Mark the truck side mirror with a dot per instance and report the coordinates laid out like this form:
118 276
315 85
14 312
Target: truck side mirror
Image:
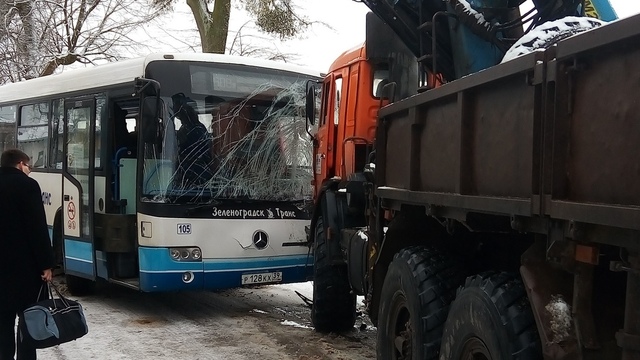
149 120
310 108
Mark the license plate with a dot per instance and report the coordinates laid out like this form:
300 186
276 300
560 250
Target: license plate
262 278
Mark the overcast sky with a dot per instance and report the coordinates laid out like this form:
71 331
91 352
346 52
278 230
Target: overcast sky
319 46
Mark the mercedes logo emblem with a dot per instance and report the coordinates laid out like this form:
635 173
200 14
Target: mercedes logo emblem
260 239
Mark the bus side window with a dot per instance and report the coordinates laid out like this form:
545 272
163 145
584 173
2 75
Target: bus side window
7 127
101 111
33 132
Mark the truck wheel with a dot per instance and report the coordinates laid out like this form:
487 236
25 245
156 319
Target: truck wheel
550 33
419 286
78 286
334 305
491 319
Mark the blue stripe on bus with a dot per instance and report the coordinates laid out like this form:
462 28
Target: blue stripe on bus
79 266
78 256
158 259
262 263
158 272
172 281
78 250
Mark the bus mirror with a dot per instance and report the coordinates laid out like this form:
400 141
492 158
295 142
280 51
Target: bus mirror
310 107
148 87
150 120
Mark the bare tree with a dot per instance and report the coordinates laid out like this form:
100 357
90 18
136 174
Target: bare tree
39 36
244 44
275 17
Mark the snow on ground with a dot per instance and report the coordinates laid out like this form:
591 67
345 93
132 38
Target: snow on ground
265 322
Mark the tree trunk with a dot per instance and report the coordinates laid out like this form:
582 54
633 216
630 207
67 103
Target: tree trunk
26 39
212 26
52 65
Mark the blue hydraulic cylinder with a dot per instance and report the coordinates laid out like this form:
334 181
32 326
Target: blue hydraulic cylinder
600 9
472 53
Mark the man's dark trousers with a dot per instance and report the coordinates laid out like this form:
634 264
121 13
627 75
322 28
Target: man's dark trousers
7 325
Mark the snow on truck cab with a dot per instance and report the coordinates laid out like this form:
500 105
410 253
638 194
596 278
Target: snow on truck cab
486 206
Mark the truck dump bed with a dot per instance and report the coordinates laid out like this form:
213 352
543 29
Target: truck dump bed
552 134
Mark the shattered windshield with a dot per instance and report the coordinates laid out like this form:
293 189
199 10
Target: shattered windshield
228 133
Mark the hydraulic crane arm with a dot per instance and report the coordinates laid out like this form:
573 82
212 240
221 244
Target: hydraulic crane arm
489 28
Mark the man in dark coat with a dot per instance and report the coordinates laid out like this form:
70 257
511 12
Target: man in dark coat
194 144
27 254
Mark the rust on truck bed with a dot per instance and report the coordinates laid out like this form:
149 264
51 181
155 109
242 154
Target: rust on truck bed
551 133
466 140
592 162
549 142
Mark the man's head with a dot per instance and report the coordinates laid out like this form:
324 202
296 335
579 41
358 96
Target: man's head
184 108
17 159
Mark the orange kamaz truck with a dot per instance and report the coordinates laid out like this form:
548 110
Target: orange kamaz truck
477 180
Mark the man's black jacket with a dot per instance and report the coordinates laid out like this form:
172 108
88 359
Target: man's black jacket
25 247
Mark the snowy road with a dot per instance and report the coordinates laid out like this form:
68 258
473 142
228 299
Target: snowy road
267 322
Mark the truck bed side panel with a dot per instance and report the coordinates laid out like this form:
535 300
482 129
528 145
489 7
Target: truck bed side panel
596 127
471 138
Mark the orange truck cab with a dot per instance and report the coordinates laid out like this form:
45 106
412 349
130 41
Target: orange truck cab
350 102
359 82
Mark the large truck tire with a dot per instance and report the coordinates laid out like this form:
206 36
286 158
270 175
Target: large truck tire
491 319
416 295
334 304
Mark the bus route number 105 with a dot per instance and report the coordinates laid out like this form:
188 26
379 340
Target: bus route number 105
184 229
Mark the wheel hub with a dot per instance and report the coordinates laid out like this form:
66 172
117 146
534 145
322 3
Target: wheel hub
402 331
475 349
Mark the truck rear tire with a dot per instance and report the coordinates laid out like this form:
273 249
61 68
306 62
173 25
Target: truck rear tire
491 319
417 291
334 304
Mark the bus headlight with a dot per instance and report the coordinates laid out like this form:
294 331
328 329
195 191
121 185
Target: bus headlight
185 254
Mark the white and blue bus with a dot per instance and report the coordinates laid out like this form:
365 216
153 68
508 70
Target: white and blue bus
172 171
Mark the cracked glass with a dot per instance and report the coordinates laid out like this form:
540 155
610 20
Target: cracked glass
228 132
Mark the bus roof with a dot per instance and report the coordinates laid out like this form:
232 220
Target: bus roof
124 71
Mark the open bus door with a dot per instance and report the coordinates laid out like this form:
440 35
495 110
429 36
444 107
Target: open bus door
78 187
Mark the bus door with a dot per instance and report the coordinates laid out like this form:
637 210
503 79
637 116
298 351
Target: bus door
78 187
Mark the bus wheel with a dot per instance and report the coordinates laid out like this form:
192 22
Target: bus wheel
419 286
334 305
491 319
78 286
